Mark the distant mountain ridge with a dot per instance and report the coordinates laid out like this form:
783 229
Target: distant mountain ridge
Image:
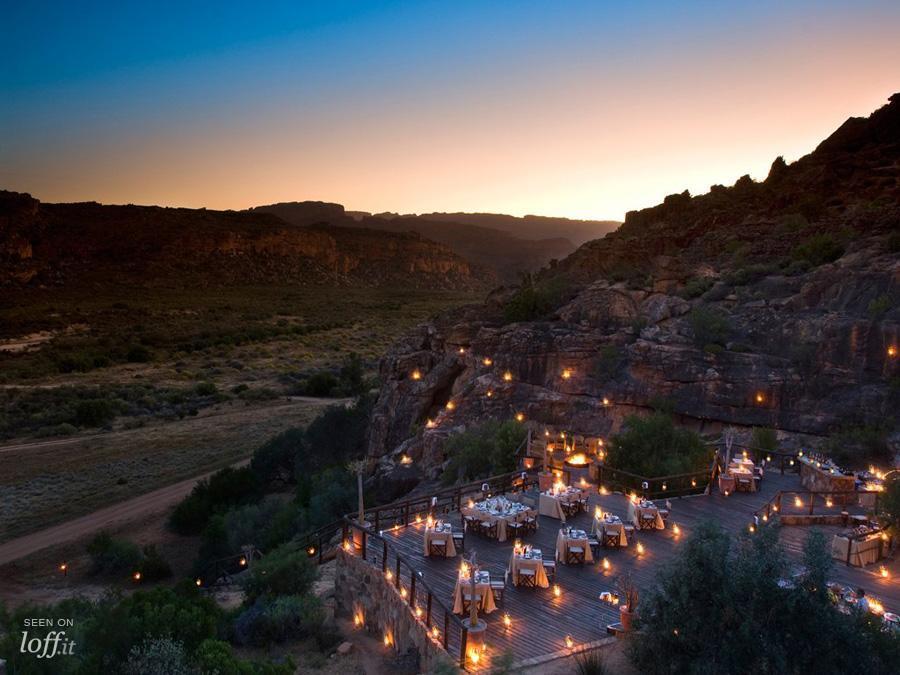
91 243
506 245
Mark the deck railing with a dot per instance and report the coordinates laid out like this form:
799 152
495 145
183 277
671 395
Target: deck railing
425 606
785 502
658 487
321 542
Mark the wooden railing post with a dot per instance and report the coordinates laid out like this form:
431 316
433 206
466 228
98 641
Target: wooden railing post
812 499
462 647
412 588
363 543
384 558
397 576
428 611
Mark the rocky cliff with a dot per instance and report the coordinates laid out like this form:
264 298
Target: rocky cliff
517 245
58 244
768 303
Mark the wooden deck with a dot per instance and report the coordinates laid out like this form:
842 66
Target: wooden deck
541 622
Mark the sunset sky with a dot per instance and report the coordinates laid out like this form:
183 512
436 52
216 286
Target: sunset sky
580 109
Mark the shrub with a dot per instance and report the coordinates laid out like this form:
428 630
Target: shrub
880 306
154 567
750 274
697 287
690 618
277 620
206 389
274 460
535 299
654 446
110 556
709 326
139 354
764 438
818 249
217 657
157 656
117 625
321 384
609 362
482 451
590 663
94 413
859 446
285 571
225 488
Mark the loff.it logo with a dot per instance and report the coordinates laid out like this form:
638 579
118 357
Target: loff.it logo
47 645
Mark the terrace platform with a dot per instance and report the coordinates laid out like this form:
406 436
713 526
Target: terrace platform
541 622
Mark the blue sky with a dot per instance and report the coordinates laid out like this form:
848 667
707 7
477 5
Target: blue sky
570 108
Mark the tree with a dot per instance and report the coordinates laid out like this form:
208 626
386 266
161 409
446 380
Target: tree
718 607
358 467
285 571
654 446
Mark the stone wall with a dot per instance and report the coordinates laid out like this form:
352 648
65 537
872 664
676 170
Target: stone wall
360 587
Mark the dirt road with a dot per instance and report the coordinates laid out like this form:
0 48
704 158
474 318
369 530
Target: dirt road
117 514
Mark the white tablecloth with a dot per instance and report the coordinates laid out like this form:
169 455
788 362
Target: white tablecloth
635 511
439 535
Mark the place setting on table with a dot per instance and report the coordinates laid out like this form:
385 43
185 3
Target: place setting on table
560 500
438 539
526 567
464 593
609 529
496 516
645 515
573 546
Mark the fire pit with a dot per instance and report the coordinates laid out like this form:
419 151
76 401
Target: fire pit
577 460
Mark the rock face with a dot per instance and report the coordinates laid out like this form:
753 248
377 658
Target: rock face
92 243
734 308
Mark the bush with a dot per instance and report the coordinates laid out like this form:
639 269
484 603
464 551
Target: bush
217 657
274 460
139 354
279 619
285 571
321 384
157 656
691 617
482 451
112 556
154 567
696 287
535 299
709 326
654 446
764 438
119 624
225 488
94 413
880 306
860 446
206 389
818 249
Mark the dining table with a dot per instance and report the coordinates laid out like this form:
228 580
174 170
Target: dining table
550 503
610 524
498 510
532 559
440 532
572 537
482 588
858 547
637 509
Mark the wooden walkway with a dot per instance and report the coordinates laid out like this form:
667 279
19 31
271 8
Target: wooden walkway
542 622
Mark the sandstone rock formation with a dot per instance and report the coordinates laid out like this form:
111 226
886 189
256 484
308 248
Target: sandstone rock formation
765 304
91 243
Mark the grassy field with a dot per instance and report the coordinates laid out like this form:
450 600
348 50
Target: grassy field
140 388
